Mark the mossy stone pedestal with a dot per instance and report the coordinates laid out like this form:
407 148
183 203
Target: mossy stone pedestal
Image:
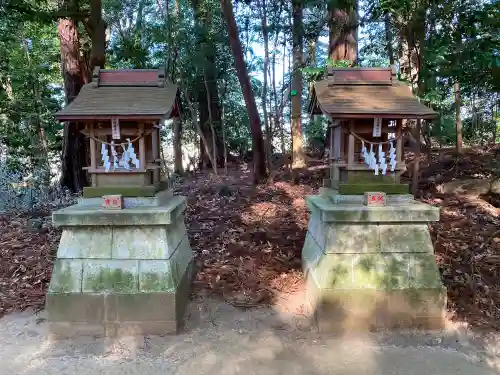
121 272
371 268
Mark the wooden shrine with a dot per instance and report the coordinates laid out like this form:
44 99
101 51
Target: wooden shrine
366 108
368 257
124 265
121 113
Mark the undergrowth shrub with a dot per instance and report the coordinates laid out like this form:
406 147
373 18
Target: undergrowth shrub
32 192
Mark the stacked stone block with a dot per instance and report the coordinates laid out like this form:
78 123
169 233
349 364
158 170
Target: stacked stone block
371 268
121 272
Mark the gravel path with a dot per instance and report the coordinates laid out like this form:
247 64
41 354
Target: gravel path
223 340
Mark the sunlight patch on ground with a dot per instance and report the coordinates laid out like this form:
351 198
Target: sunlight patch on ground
264 210
33 356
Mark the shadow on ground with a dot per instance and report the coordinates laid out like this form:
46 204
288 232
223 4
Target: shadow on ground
221 339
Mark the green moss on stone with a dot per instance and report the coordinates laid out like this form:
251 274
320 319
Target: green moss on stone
381 271
424 272
155 282
64 280
115 280
334 271
367 177
395 274
404 238
365 271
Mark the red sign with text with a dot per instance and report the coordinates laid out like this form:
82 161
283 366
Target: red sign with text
375 199
112 202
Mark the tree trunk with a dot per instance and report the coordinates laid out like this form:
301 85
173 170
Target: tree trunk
246 87
203 140
177 142
204 120
409 61
458 118
388 38
208 95
74 156
280 116
272 78
172 58
212 127
343 33
97 35
298 156
267 127
210 123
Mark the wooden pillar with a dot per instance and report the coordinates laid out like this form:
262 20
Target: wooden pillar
155 136
416 163
177 143
342 137
399 142
350 149
93 152
332 153
337 143
142 147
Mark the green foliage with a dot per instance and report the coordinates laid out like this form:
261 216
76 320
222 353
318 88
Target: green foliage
29 94
314 73
315 133
445 42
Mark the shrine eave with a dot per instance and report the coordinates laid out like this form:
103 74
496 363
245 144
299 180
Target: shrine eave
385 115
109 117
356 101
138 102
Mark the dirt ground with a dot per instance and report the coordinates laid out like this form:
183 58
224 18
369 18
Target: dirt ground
224 340
248 240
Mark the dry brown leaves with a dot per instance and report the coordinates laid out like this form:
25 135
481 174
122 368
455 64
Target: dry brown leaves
25 264
248 241
467 242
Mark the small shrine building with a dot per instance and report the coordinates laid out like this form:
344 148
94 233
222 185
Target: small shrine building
366 108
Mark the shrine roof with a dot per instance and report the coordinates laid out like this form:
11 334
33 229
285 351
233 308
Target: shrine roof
364 93
134 94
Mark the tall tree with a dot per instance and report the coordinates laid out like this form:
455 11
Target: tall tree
267 125
298 155
343 30
75 76
208 93
97 31
388 37
458 116
176 123
259 167
76 73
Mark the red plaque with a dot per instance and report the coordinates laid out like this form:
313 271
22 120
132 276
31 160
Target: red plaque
113 202
374 199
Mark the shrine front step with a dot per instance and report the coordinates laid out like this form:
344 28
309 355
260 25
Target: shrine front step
127 189
160 198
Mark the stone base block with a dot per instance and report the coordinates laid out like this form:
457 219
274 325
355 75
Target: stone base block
370 268
131 274
85 314
65 330
358 310
160 198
